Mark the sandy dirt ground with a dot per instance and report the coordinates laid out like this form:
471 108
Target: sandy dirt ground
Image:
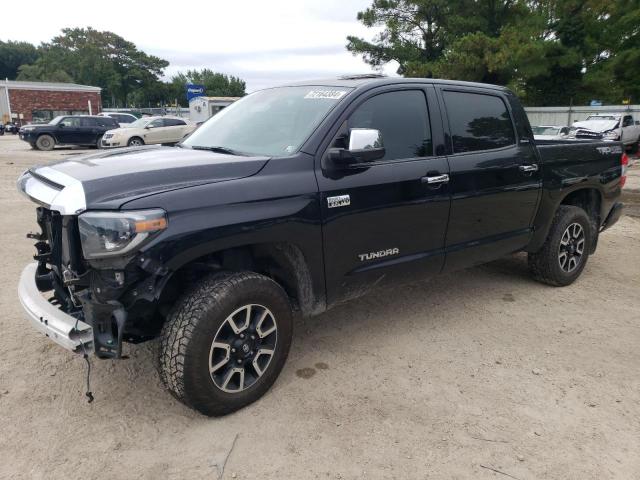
469 375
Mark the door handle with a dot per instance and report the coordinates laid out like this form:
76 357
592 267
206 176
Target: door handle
435 179
529 168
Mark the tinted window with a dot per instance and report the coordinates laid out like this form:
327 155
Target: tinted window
478 122
107 122
403 121
88 122
156 123
172 122
628 120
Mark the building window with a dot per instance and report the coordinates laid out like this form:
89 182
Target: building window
45 116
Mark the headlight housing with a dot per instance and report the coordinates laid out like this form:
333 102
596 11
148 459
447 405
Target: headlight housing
105 234
611 135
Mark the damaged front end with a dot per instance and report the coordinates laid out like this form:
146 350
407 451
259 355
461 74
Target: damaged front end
91 288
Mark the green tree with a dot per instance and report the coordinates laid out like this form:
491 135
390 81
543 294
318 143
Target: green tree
215 84
548 51
98 58
13 55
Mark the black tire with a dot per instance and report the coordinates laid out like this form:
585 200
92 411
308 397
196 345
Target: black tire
135 142
186 351
99 142
45 142
546 265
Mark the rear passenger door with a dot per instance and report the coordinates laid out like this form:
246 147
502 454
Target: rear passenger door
175 129
495 178
89 131
383 222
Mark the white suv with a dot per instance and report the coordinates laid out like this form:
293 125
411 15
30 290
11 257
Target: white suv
123 119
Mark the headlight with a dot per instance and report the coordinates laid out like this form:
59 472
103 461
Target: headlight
105 234
611 135
27 129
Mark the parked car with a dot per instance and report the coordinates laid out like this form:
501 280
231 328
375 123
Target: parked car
123 119
296 199
616 126
83 130
149 131
1 128
550 132
12 127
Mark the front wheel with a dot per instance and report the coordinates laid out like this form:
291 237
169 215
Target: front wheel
45 142
564 254
225 342
135 142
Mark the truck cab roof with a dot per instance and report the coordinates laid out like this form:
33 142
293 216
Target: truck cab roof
375 80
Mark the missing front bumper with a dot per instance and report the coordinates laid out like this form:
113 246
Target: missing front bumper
59 326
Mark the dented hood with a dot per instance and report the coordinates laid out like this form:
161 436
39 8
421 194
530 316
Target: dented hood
106 180
599 126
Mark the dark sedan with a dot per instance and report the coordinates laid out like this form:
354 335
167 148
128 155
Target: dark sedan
85 130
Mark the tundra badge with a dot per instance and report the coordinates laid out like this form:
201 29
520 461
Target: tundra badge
339 201
379 254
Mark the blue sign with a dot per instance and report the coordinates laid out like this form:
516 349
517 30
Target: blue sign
194 91
596 103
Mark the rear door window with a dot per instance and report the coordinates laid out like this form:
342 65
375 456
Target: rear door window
402 119
478 121
88 122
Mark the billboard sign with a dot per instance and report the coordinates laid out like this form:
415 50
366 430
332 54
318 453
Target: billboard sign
194 91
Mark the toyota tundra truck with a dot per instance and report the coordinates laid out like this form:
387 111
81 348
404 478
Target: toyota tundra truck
291 201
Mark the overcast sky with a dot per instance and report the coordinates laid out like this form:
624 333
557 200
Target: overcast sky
264 42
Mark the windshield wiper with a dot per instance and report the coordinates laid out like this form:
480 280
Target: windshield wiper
218 150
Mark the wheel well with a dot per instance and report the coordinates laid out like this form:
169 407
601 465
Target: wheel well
281 261
589 200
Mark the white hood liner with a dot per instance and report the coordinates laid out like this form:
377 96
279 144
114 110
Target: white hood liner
53 189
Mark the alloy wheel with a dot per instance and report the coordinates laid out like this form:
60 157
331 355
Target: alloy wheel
242 348
571 249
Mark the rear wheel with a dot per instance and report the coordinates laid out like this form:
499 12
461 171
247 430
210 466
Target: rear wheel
99 142
564 254
135 142
45 142
225 342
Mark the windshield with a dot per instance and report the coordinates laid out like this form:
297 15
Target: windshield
56 120
270 122
140 123
545 130
601 117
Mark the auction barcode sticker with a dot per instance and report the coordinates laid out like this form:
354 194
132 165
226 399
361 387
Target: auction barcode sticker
330 94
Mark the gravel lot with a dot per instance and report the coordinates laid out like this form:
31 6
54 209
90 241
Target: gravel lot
466 376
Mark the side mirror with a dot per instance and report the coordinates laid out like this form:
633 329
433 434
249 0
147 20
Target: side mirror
365 145
61 125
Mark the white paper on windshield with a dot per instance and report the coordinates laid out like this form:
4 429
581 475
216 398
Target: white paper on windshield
330 94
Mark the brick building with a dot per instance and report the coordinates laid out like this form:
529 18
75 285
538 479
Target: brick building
26 102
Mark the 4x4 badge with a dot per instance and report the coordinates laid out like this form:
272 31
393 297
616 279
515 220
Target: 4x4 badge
339 201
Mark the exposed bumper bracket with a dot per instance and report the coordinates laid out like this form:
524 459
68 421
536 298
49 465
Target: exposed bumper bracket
60 327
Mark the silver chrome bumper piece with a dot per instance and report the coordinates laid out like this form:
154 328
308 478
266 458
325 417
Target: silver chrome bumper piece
50 320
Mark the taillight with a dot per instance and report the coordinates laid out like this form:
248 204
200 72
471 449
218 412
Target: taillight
624 161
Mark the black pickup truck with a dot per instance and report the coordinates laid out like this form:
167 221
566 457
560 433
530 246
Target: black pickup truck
293 200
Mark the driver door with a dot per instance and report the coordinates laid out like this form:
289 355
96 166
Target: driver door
383 221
